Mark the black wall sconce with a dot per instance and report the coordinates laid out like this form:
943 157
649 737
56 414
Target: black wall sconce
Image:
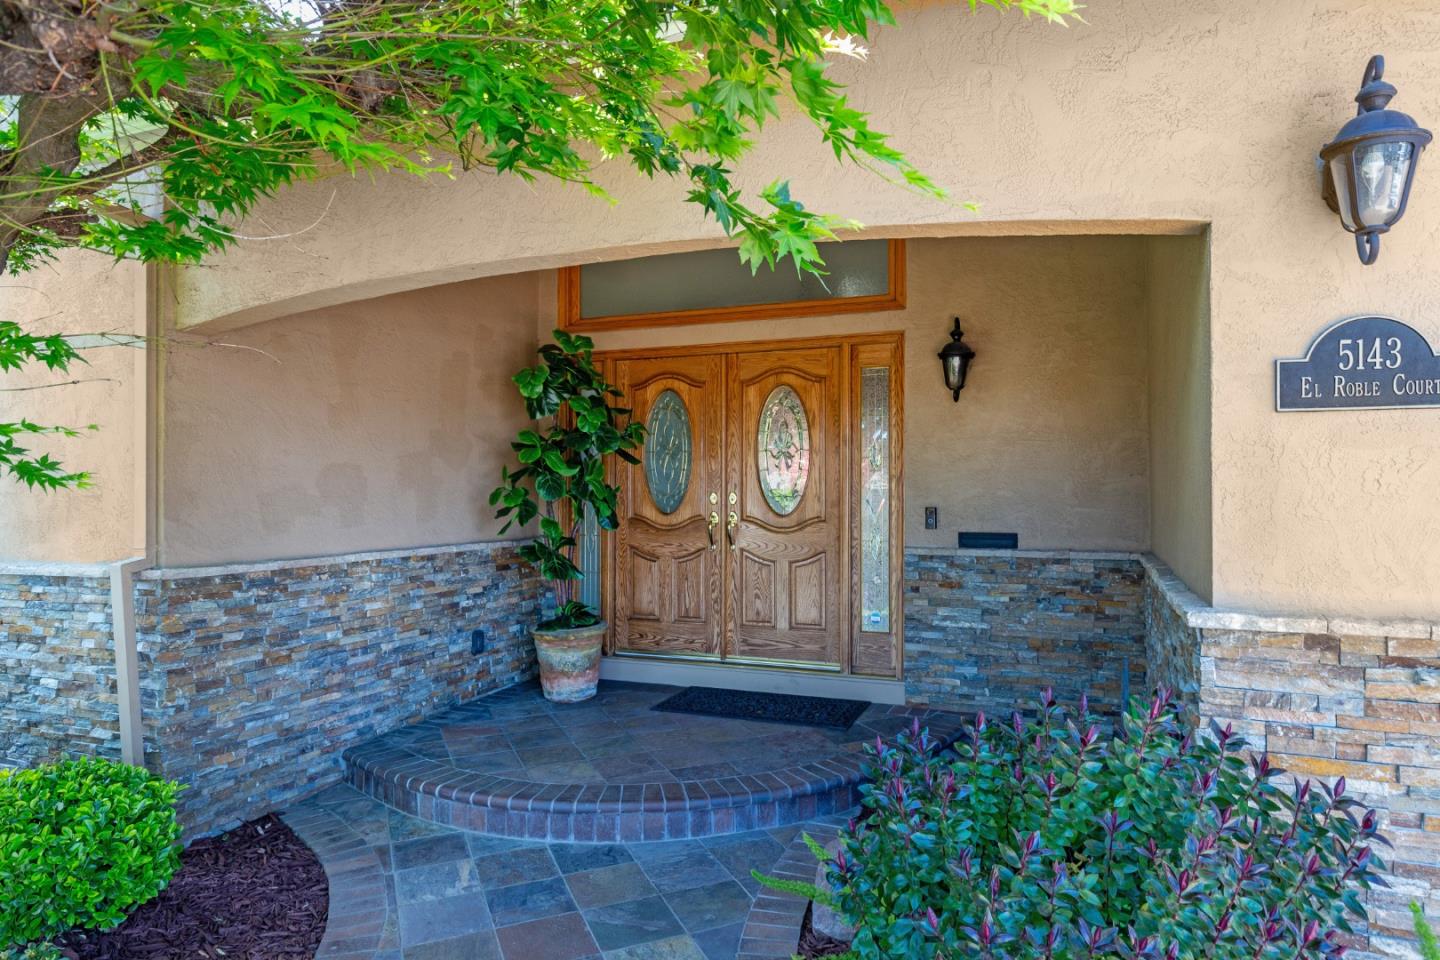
1367 170
955 358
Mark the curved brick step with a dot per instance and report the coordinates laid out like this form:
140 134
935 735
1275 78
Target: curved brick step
775 775
626 813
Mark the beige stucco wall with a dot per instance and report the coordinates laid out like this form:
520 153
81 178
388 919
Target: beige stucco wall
1177 308
382 423
1049 439
1153 114
1207 112
79 293
377 424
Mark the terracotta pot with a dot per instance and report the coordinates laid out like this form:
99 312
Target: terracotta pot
569 662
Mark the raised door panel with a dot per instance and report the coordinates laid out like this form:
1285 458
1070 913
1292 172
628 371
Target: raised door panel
692 603
784 466
757 591
644 592
668 576
807 592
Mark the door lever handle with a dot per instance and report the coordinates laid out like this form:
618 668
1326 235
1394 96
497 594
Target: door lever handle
710 528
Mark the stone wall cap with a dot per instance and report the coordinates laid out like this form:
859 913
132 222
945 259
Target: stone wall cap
1177 592
1213 619
1201 615
267 566
1399 629
26 568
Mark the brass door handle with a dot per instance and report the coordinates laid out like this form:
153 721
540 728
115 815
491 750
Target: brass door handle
730 525
710 527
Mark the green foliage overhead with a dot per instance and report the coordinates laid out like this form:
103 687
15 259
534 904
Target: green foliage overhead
82 843
18 348
562 465
1045 838
147 128
213 104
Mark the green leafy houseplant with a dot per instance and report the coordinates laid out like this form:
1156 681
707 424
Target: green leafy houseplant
82 843
562 466
1044 839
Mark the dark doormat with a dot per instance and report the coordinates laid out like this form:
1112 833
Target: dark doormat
765 707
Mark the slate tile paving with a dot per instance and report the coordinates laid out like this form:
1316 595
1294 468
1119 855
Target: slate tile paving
436 881
554 938
600 831
607 885
438 848
721 943
676 948
710 906
739 852
426 921
524 865
579 857
482 846
685 870
529 901
629 922
406 889
471 946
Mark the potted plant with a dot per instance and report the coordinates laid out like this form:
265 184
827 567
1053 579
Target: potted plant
561 473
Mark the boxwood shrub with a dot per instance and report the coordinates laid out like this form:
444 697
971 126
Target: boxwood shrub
82 843
1044 838
34 951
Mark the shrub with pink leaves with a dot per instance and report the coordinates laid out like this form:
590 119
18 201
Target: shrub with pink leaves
1044 838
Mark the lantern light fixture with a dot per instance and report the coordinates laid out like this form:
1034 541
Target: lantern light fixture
955 359
1368 169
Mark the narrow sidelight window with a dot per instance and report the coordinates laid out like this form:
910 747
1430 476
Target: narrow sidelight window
874 495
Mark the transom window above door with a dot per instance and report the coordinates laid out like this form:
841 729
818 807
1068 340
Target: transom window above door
713 286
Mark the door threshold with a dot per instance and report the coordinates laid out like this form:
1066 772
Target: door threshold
690 673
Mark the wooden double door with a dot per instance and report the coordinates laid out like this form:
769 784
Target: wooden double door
733 541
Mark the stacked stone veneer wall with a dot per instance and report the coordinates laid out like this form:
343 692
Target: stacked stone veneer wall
256 677
57 667
987 630
1172 646
1329 698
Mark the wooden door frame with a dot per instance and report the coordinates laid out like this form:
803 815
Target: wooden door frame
861 349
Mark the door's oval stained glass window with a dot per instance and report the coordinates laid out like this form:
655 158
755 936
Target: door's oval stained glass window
784 442
668 452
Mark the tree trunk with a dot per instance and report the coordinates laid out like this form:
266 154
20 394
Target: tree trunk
51 62
49 143
51 48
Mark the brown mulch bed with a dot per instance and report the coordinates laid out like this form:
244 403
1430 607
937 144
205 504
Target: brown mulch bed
254 893
814 944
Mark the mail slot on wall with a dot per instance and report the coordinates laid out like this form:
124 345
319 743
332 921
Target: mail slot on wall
971 540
